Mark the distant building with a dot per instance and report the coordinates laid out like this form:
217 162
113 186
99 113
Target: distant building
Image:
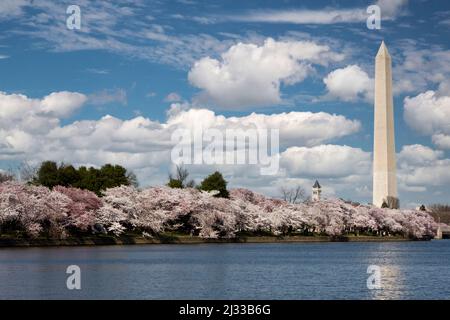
439 232
316 191
422 208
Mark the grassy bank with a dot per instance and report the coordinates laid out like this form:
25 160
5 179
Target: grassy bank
6 241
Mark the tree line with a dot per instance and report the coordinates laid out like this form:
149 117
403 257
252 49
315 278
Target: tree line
50 174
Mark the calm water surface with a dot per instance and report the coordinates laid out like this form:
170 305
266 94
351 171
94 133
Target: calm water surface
410 270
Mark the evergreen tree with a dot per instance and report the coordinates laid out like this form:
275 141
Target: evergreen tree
67 175
47 174
95 180
215 182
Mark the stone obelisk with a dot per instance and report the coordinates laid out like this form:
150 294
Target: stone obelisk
384 165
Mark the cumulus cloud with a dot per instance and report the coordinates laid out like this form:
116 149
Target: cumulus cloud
421 168
296 128
251 75
23 120
435 174
429 114
412 72
19 107
418 154
62 104
441 140
31 129
329 161
349 84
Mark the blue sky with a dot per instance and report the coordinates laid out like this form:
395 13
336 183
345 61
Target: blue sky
103 93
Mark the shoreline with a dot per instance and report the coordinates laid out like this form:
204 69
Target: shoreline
134 240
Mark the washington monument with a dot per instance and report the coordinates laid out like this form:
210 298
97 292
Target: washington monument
384 166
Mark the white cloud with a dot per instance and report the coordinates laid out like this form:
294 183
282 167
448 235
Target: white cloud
23 120
62 104
330 161
173 97
429 114
27 132
251 75
434 174
12 8
390 9
441 140
19 107
107 96
116 27
422 169
418 154
349 84
444 88
328 16
412 71
296 128
97 71
14 105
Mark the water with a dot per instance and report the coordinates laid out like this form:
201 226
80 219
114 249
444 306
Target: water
409 270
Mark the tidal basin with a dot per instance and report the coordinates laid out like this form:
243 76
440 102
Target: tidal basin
409 270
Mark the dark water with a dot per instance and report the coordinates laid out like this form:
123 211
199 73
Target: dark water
409 270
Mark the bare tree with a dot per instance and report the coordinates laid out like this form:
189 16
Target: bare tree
27 171
6 176
439 208
440 212
293 195
132 178
181 178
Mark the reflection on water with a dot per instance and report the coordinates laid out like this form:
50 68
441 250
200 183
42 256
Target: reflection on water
392 279
410 270
392 286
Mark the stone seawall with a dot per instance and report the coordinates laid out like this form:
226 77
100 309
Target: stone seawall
169 239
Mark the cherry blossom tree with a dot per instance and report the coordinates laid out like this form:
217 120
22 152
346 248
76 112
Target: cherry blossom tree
35 209
63 211
82 208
